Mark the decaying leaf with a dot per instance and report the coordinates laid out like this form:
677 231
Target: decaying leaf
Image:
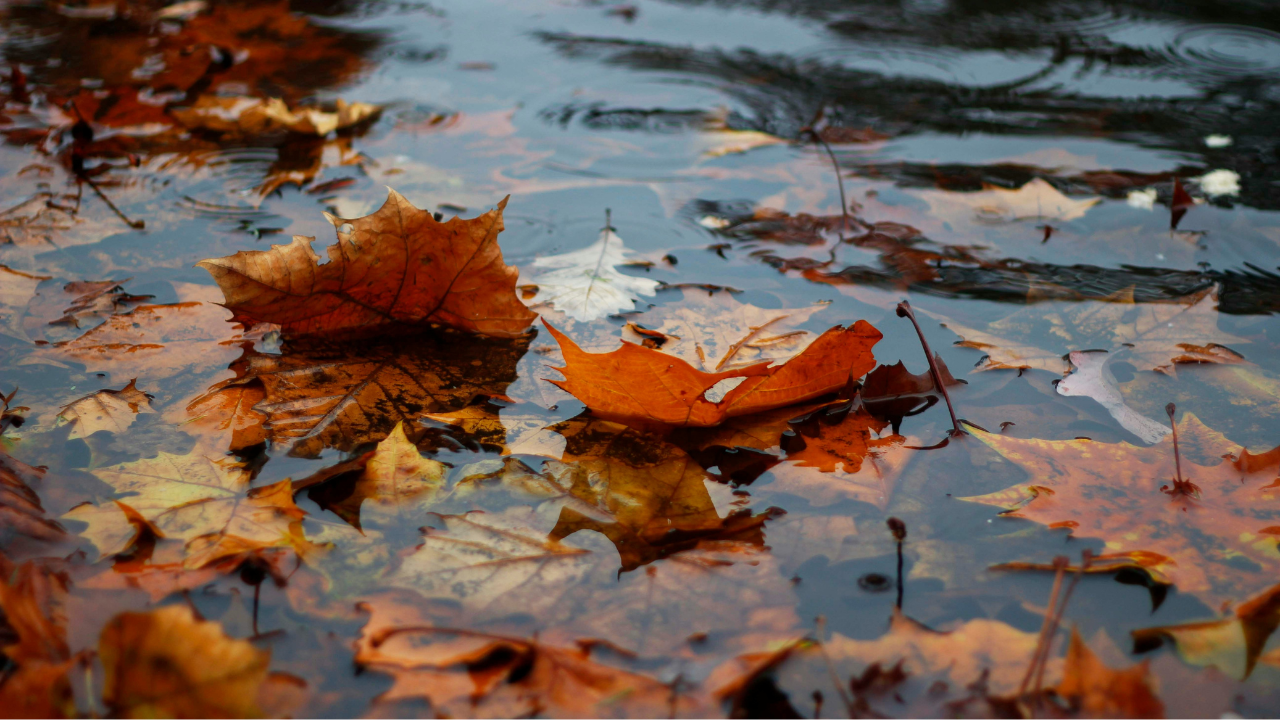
252 116
1092 378
166 663
342 395
1151 336
586 284
1216 539
645 384
34 620
396 266
463 672
715 332
1232 644
204 501
1094 690
110 410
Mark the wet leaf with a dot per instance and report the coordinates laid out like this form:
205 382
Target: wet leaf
1232 644
23 515
1091 378
1036 199
1094 690
586 284
1217 543
16 291
396 266
343 395
852 459
167 663
34 615
202 500
1151 336
637 382
396 483
76 307
251 116
109 410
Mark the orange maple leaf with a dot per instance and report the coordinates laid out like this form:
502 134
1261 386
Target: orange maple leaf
639 383
396 266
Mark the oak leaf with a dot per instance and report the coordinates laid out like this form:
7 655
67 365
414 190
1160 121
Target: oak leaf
586 284
201 500
396 266
1216 542
166 663
648 385
1232 644
1153 336
110 410
342 395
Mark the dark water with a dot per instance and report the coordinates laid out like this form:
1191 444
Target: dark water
573 107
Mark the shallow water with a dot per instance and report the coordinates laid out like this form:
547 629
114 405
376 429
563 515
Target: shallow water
576 108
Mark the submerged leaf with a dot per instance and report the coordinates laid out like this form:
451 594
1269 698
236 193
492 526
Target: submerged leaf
1232 644
1091 378
110 410
586 284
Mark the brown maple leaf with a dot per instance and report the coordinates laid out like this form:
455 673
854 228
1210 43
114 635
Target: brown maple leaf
1094 690
396 266
34 617
342 395
166 663
20 510
648 385
76 307
110 410
1216 540
1232 644
395 484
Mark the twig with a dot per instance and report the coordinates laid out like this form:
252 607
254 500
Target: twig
1086 558
899 530
1060 565
739 345
136 225
904 310
821 623
1180 486
844 204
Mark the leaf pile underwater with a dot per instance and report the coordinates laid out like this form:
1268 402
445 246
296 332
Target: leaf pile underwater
826 368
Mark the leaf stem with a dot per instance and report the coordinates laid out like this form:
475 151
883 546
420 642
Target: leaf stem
904 310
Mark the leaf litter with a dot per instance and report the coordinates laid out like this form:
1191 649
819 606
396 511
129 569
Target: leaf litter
365 452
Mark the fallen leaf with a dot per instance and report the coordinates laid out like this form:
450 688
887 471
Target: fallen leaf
343 395
1232 644
715 332
1151 336
1094 690
893 381
1092 378
637 382
16 291
20 508
166 663
586 284
252 116
850 459
110 410
397 483
396 266
228 409
1215 544
76 307
204 501
34 619
468 673
1036 199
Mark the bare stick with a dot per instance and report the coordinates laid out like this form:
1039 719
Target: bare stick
899 530
1059 564
1086 558
1181 486
904 310
136 225
821 623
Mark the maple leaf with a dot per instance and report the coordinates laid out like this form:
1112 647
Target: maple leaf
252 116
228 409
586 284
396 483
166 663
637 382
1036 199
110 410
1091 378
76 307
204 501
20 508
470 673
1216 544
714 331
1095 690
342 395
34 620
1233 644
923 667
1153 336
396 266
842 461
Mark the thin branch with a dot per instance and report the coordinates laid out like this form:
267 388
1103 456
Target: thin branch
904 310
